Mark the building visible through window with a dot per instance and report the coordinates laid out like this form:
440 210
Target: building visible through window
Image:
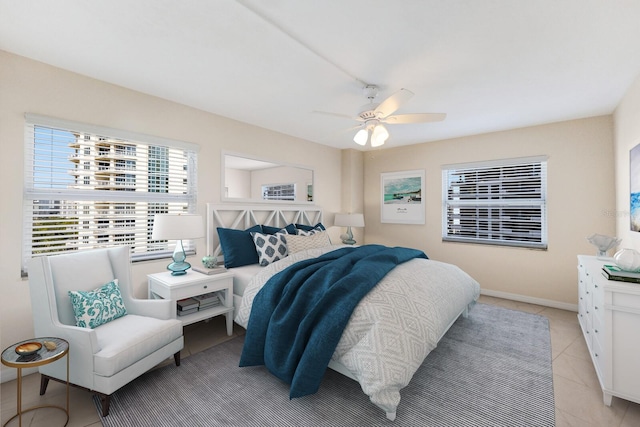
500 203
88 187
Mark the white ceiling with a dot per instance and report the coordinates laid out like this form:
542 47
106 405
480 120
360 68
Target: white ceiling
489 64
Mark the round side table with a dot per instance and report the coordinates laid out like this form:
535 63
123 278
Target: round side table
43 356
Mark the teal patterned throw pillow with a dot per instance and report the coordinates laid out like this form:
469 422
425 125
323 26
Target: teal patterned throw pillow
270 247
94 308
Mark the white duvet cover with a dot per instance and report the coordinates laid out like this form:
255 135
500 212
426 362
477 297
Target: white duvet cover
394 326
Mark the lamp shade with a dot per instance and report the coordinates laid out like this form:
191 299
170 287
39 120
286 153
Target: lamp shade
379 136
349 220
177 227
361 137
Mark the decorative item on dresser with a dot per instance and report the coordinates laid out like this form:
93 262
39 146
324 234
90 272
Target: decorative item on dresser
609 315
627 259
603 243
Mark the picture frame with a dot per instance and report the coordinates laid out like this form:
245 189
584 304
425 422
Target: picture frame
402 197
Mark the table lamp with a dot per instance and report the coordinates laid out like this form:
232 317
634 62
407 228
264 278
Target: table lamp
178 227
349 220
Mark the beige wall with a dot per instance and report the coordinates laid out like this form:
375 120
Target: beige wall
627 136
28 86
353 188
580 202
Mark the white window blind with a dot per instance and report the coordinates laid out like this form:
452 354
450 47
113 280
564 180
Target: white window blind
89 187
500 203
279 192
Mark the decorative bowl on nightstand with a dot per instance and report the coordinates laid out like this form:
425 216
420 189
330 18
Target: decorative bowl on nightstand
209 261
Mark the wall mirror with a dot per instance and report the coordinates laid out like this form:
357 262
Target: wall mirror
246 178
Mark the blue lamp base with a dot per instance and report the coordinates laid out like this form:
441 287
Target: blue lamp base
347 238
179 266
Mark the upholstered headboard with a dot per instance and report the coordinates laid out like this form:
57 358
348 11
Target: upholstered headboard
241 217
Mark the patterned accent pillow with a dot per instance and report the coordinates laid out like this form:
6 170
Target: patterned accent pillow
270 247
310 227
319 239
94 308
308 232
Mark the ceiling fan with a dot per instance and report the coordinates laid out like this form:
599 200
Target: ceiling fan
374 116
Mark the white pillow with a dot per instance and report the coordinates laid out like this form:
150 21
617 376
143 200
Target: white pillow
297 243
270 247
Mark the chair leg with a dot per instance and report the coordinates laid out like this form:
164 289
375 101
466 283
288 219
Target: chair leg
176 357
105 400
44 382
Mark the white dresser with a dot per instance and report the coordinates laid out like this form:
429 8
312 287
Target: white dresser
609 315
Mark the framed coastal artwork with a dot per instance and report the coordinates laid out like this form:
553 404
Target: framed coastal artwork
402 197
634 188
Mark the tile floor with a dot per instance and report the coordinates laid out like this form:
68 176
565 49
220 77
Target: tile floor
577 394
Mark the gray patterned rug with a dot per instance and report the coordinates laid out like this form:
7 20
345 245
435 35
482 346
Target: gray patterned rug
491 369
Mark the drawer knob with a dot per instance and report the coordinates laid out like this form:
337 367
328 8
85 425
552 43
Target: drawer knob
205 286
596 307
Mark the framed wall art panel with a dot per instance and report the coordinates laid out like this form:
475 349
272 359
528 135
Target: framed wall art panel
402 198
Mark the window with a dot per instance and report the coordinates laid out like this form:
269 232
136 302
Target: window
498 203
88 187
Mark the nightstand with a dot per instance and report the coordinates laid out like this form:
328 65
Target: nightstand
192 284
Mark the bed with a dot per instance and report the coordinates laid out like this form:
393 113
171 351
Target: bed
391 329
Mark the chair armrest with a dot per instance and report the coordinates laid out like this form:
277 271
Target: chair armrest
83 344
158 308
81 337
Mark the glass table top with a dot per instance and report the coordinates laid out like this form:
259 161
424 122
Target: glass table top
51 348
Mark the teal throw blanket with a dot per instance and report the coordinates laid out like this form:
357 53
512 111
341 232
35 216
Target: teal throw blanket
298 316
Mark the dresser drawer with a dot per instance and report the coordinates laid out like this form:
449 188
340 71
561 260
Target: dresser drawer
627 300
598 355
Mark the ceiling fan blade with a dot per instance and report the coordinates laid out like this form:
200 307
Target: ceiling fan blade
343 131
415 118
342 116
392 103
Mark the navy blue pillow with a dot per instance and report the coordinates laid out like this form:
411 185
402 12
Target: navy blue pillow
238 247
267 229
310 227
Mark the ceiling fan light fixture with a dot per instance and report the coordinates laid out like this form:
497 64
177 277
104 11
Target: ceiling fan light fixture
361 137
379 136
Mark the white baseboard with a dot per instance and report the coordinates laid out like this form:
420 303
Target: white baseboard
10 374
530 300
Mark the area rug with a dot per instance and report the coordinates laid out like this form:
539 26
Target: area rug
491 369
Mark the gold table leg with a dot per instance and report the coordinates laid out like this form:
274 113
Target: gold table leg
20 411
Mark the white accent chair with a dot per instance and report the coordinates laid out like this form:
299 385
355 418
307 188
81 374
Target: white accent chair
106 358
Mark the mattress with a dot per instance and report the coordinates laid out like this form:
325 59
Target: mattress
242 276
